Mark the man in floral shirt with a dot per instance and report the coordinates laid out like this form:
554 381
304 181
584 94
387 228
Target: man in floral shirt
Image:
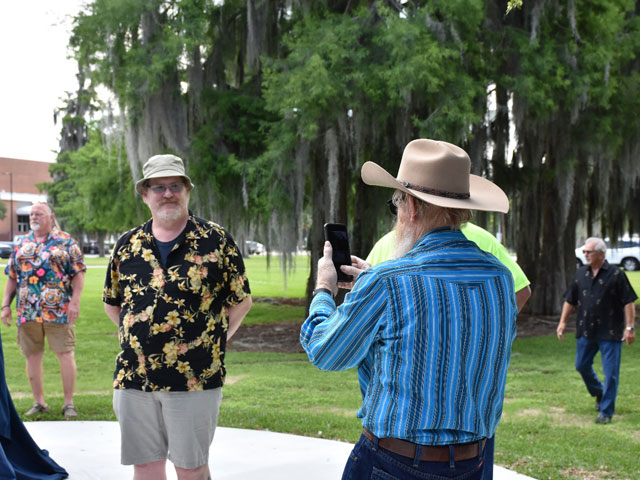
46 269
177 289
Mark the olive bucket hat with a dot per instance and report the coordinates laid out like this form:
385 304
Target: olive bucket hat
162 166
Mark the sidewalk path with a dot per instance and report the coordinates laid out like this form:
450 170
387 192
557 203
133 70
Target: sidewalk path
91 451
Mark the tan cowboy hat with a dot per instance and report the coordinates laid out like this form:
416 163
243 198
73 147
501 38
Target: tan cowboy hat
439 173
162 166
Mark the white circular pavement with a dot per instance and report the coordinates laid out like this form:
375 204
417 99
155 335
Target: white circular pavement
91 451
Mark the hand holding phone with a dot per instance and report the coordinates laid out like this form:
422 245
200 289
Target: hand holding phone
336 234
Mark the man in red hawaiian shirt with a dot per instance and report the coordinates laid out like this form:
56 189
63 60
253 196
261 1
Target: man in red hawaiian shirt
46 270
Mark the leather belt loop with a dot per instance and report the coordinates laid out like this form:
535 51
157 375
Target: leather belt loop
418 456
452 456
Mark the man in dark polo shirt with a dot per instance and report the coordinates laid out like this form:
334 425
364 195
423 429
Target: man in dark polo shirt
177 289
606 318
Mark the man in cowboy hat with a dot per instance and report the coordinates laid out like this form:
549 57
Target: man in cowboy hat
384 248
177 289
430 331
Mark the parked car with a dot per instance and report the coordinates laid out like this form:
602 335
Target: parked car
90 247
626 254
254 248
5 249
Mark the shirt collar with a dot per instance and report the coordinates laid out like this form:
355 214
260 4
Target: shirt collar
54 233
605 266
437 232
437 235
146 228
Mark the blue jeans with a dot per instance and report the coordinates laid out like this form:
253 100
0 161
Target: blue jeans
368 461
610 351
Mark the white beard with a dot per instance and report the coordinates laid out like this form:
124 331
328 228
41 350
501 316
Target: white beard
405 240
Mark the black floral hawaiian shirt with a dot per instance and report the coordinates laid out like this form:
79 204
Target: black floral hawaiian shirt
174 321
600 302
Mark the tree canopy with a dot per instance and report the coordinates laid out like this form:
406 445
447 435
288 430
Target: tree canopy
93 190
275 105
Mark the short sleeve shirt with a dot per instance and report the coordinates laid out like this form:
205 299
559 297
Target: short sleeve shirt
600 302
43 271
174 320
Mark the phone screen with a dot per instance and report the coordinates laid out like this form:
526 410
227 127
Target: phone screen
336 234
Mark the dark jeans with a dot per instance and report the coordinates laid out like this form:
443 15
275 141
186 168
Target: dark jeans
610 351
488 458
367 461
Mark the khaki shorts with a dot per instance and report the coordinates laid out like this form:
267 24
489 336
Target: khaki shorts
60 336
155 426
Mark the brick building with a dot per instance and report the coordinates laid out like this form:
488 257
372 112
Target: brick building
18 191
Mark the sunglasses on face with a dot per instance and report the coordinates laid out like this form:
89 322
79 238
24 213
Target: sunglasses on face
396 199
392 208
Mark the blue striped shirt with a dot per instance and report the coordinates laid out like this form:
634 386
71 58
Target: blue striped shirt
431 335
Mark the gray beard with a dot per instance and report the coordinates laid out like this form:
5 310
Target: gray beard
175 212
170 216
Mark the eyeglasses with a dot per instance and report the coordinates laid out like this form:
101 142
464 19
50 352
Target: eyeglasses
397 198
588 252
173 188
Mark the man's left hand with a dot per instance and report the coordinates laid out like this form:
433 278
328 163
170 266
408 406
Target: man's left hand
629 336
72 312
327 275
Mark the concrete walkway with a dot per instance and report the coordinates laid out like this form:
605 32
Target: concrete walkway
91 451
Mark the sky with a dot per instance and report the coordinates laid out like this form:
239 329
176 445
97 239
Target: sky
34 75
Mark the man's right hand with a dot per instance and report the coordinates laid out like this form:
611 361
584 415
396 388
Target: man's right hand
327 276
6 316
567 309
560 330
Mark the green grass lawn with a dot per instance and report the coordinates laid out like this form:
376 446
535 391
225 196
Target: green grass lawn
265 281
547 429
269 282
634 279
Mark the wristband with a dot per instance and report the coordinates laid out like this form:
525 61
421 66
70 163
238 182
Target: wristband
6 306
631 329
325 290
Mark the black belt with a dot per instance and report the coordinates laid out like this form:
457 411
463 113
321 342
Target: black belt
430 453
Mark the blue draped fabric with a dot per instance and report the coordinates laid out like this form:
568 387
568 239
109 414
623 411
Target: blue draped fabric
20 457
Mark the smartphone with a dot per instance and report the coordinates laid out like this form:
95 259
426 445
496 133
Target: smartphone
336 234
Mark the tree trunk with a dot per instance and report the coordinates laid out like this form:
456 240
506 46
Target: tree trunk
319 200
101 237
548 212
550 277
